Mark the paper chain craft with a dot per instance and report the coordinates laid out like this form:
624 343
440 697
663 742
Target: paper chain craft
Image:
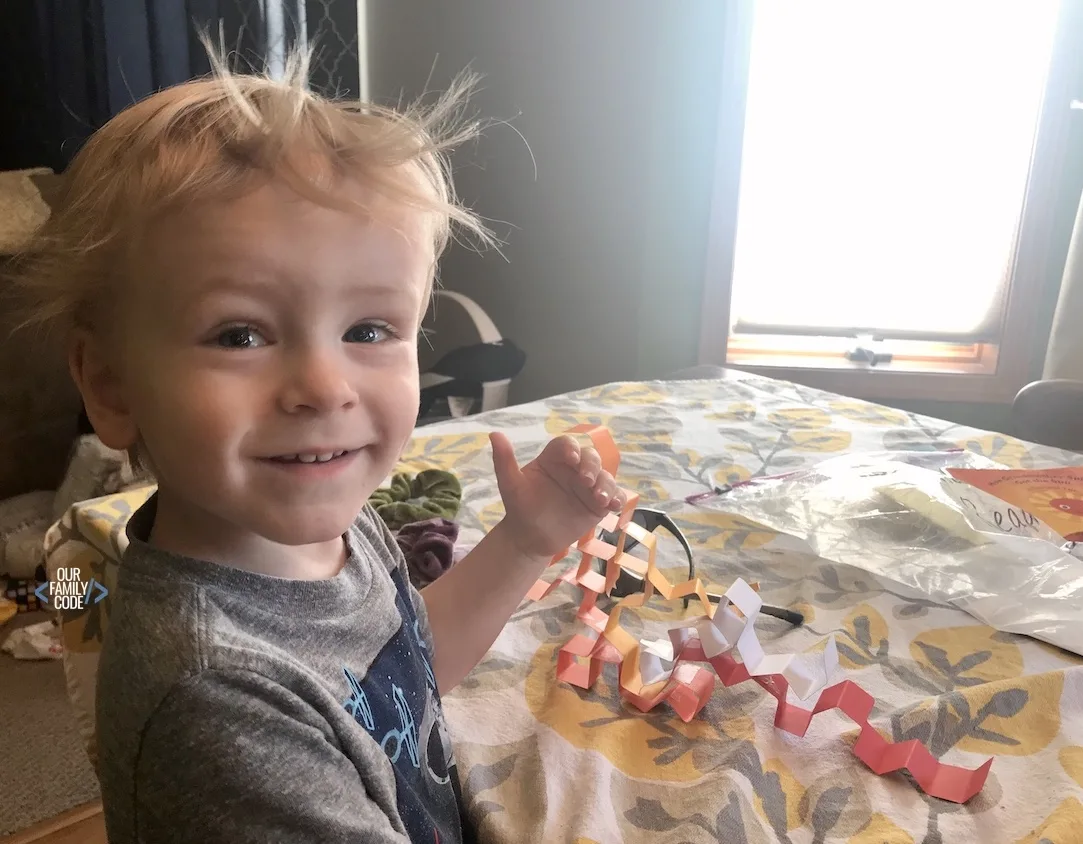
653 672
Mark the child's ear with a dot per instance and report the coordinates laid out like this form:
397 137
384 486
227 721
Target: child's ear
100 384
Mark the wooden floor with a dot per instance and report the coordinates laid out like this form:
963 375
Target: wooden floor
81 825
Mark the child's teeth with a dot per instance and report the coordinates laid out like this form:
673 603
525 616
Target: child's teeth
311 458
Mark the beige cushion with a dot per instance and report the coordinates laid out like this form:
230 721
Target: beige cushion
39 405
23 522
23 207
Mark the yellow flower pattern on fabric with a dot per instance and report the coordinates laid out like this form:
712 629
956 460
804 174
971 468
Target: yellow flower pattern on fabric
708 468
441 451
712 531
740 412
647 812
719 472
106 518
807 610
491 514
1071 759
645 429
635 431
800 417
868 414
967 656
823 795
1063 825
1027 717
730 474
629 393
864 636
560 421
650 492
822 440
1007 451
790 787
881 830
1003 718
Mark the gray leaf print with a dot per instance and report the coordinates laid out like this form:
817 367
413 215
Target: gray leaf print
484 777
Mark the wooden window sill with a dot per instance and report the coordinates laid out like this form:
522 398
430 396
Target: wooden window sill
918 370
830 353
887 383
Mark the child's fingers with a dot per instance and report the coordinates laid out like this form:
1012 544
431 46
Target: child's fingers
561 451
571 452
617 502
584 486
590 466
504 463
606 493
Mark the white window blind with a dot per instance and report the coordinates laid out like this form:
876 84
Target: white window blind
886 153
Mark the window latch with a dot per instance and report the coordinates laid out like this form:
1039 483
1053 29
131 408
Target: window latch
865 352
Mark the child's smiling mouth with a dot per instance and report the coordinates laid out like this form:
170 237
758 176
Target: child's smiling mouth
312 456
313 464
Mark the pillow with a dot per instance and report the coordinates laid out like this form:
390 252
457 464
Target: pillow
39 405
23 511
23 522
23 207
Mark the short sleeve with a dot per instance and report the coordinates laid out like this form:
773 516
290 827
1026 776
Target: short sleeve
230 756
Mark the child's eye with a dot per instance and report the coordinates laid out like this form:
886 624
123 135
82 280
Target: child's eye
240 337
367 332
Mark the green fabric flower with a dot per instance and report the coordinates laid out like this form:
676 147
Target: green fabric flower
431 493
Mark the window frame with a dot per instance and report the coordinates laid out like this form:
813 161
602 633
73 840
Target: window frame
982 372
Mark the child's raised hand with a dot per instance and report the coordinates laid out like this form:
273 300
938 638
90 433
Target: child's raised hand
556 497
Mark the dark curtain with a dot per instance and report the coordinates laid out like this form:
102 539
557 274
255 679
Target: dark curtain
331 29
67 66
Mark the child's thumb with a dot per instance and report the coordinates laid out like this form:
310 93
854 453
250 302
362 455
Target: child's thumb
504 462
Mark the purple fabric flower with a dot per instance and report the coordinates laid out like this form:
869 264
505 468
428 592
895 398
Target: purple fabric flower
429 548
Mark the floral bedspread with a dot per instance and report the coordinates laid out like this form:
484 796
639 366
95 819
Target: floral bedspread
543 761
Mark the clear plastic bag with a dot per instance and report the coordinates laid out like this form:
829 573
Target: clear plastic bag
900 516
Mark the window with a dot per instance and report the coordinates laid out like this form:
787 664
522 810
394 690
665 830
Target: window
888 169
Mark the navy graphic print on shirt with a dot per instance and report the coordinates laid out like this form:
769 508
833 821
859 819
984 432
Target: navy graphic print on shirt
397 702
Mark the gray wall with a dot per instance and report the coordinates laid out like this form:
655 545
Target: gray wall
618 102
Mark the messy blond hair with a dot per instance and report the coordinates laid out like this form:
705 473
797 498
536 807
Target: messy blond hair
216 138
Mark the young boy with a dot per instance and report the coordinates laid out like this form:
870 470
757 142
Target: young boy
242 267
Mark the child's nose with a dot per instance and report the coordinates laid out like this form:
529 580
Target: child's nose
318 381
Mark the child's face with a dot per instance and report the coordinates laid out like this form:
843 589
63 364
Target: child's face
264 334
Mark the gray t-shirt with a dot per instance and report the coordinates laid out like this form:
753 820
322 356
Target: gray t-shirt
237 707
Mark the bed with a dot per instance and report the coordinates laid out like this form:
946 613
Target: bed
543 761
